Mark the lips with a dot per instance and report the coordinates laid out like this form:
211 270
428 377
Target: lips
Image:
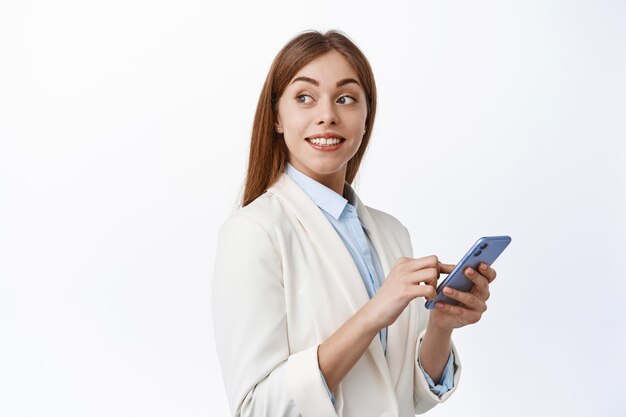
323 144
326 135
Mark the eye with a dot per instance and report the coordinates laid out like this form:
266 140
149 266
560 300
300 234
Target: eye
348 98
299 98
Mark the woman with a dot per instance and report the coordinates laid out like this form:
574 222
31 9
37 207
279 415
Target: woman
318 305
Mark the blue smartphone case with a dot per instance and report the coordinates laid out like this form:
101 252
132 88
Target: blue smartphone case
486 249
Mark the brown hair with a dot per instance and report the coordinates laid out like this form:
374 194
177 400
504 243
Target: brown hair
268 152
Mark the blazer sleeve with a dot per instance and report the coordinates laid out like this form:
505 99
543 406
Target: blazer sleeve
261 376
423 398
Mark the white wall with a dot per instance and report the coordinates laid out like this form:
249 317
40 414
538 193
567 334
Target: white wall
124 129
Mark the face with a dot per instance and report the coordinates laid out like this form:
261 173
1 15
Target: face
321 115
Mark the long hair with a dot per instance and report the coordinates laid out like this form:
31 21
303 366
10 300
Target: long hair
268 152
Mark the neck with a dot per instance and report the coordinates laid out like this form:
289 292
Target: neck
335 180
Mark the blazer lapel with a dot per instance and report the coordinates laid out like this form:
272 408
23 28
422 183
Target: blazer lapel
388 252
325 237
322 233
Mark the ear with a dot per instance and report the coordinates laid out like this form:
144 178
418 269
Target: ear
278 126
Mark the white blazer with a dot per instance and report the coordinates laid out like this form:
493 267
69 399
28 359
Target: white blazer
283 283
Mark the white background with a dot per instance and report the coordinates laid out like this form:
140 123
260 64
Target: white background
124 130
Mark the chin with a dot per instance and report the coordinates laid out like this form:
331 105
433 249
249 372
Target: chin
326 168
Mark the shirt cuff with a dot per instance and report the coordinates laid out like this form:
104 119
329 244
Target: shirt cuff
447 381
330 394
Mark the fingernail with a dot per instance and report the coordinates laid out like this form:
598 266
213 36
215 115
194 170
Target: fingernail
483 267
470 271
440 306
447 290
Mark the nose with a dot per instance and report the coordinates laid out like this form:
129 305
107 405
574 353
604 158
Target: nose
327 114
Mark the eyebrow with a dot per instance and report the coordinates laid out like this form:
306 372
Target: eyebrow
316 83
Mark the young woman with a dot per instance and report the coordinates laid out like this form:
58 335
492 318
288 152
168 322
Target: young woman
318 305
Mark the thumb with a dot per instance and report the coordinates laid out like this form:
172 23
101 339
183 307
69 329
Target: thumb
446 268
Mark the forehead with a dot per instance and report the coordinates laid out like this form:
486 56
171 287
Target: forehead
327 69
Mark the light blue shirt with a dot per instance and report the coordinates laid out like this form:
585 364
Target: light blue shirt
342 215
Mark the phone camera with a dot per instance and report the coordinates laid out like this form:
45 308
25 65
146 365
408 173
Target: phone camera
484 245
478 253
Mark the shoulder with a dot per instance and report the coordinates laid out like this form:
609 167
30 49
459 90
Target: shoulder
381 218
393 228
260 216
385 219
246 248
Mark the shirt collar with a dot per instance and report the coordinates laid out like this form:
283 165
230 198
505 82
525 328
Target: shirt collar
325 198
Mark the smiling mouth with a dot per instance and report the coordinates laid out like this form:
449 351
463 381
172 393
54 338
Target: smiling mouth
323 142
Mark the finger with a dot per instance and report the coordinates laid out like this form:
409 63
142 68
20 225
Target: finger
460 314
426 262
471 301
426 291
428 276
487 271
446 268
481 283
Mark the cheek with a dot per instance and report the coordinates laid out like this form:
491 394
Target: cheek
357 120
293 121
357 145
292 136
291 141
359 115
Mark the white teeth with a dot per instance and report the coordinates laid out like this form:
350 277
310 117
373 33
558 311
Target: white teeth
324 141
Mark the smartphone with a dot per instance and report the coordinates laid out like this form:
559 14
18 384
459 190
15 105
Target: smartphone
485 250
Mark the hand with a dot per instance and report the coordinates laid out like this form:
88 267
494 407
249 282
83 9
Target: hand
402 285
471 305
